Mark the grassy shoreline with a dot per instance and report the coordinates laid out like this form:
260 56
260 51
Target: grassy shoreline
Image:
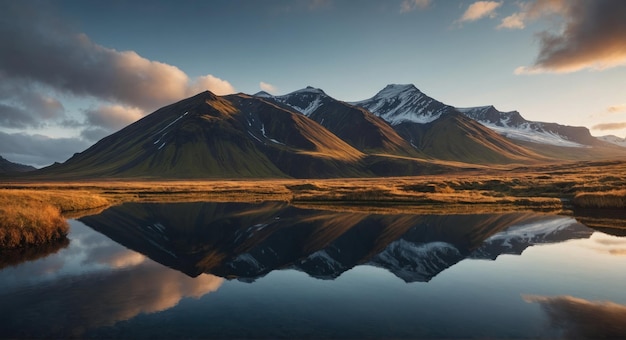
549 188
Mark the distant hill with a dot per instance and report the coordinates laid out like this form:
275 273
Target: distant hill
7 166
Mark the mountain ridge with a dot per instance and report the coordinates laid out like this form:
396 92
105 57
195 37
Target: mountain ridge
309 134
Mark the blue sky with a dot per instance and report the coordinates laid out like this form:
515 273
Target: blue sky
72 72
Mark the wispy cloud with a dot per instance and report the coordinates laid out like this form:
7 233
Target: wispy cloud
616 108
411 5
267 87
513 21
592 36
479 10
609 126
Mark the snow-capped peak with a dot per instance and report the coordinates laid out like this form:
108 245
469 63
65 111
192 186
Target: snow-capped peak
512 125
403 103
263 94
394 90
309 90
305 100
613 140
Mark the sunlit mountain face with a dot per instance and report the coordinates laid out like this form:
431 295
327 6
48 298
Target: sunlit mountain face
248 241
400 131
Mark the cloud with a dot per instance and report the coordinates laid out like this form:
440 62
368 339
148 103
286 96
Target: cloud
609 126
479 10
513 21
38 150
37 49
94 134
21 105
592 36
616 108
411 5
113 117
532 10
583 319
269 88
14 117
210 83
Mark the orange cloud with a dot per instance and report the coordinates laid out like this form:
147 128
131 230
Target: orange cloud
609 126
113 117
269 88
616 108
479 10
592 38
77 65
583 319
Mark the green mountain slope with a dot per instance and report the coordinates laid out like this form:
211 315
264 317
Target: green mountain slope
455 137
209 136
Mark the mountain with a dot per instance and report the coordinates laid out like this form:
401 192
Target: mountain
512 125
211 136
7 166
404 103
440 131
246 241
613 140
356 126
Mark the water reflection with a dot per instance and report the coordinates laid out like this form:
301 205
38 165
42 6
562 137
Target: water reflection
582 319
245 241
13 257
96 287
91 284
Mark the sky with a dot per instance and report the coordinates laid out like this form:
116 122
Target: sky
75 71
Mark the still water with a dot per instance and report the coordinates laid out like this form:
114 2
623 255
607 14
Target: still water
270 270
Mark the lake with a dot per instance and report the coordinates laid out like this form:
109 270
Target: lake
272 270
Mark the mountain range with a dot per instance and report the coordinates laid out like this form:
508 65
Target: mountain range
247 241
7 166
308 134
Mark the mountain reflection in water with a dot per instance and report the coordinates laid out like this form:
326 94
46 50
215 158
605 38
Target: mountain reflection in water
247 241
362 276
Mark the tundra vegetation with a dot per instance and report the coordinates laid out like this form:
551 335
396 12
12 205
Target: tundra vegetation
34 212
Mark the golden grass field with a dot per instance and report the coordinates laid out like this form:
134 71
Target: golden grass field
33 212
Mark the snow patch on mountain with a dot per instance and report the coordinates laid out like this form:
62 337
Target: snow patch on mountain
513 126
416 261
525 132
403 103
613 140
532 232
305 101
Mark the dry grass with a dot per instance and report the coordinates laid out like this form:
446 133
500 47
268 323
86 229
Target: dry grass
553 188
30 223
34 217
615 199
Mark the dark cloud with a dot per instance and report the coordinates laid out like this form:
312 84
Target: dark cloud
38 150
14 117
22 106
582 319
609 126
592 37
94 134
